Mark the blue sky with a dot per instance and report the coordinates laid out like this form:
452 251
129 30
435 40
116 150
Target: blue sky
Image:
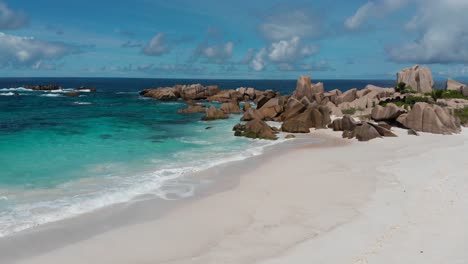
232 39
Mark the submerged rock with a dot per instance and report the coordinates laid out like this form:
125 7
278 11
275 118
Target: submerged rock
214 114
72 94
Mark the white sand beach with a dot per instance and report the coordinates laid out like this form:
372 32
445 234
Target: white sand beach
390 200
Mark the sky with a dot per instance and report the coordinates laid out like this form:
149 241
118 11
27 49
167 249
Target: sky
261 39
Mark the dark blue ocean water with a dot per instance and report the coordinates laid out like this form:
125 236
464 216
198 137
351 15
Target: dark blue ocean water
62 156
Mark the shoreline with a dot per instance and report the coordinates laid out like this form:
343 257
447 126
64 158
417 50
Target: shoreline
262 215
89 224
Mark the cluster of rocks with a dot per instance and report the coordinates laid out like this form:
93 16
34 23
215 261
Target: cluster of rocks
54 87
311 106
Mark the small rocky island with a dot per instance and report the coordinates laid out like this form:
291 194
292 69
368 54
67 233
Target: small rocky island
363 114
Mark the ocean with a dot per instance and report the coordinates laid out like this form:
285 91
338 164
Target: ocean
61 156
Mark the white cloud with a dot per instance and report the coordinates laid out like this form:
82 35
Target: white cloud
290 50
218 53
373 9
10 19
286 25
157 46
436 33
16 51
258 62
283 52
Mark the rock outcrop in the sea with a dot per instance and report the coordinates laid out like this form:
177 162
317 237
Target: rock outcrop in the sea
72 94
46 87
272 108
214 114
193 109
255 129
418 78
252 114
185 92
231 108
163 94
388 113
430 118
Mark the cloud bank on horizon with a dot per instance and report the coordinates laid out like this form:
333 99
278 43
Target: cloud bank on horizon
246 39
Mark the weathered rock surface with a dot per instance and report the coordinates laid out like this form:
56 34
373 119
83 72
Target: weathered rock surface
419 78
343 124
252 114
429 118
305 88
214 114
290 136
453 85
389 112
272 108
231 108
246 106
317 117
293 108
46 87
163 94
347 96
192 109
186 92
366 132
255 129
225 96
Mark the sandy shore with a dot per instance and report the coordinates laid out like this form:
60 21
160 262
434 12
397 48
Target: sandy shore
392 200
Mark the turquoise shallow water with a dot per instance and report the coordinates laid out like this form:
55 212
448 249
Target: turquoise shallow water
61 157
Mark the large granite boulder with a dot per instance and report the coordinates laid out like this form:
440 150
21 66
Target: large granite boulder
255 129
273 108
366 132
390 112
336 111
225 96
263 97
453 85
293 108
312 117
430 118
196 91
192 109
252 114
419 78
214 114
163 94
246 106
231 108
465 91
348 96
305 88
343 124
247 93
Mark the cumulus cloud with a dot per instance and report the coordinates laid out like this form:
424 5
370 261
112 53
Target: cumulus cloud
373 9
436 32
11 19
218 53
441 34
16 51
157 46
283 52
289 24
